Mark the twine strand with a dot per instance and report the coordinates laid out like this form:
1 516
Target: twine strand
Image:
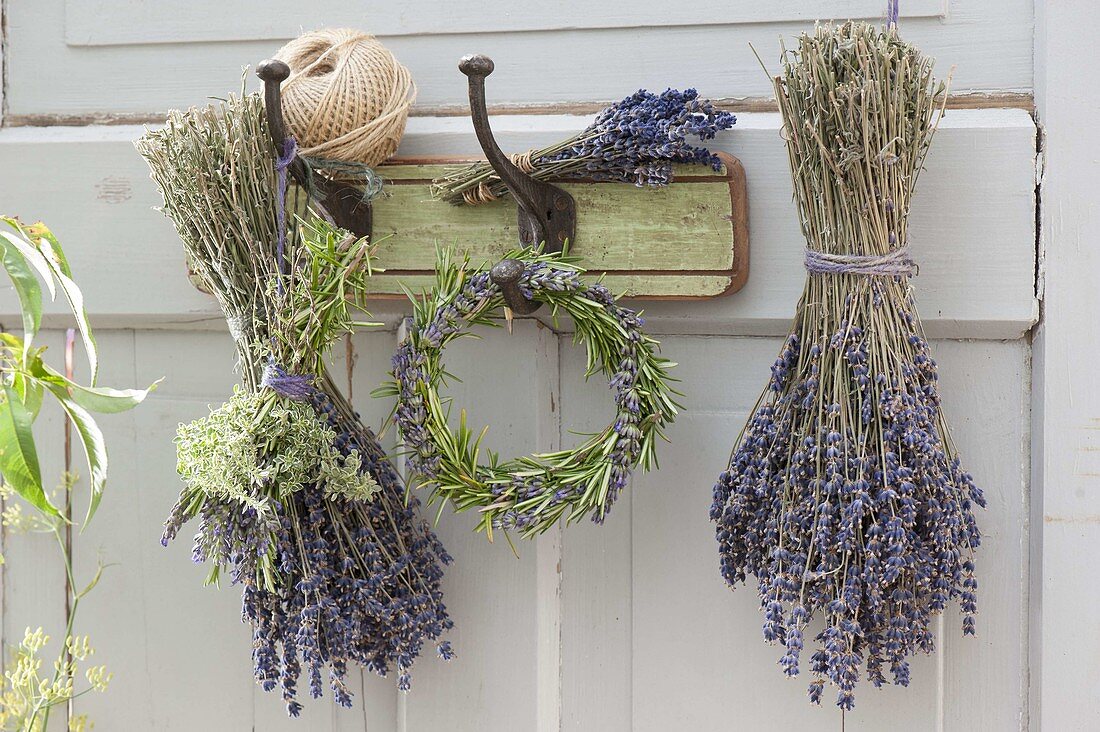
524 161
483 192
895 263
282 164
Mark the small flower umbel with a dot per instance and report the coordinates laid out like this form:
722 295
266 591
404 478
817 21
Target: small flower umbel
636 140
529 494
29 690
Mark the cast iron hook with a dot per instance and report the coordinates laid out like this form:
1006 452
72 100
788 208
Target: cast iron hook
506 274
342 202
546 214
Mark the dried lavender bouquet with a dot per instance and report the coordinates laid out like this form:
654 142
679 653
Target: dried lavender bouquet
635 140
294 495
844 495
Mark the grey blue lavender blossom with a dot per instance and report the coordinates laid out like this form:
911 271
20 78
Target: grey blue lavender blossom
636 140
530 494
874 534
359 581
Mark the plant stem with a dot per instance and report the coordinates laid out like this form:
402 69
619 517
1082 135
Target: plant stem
72 601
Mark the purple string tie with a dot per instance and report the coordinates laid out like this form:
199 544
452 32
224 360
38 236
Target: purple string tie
891 13
296 387
282 164
895 263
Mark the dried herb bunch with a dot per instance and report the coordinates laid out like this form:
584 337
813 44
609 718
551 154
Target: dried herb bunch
294 495
844 496
635 140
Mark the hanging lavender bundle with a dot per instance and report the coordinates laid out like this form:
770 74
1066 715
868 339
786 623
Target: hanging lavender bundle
295 497
634 141
844 496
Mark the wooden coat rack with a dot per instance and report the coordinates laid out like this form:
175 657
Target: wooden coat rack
687 240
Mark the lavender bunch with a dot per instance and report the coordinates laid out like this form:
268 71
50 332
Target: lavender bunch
636 140
529 494
294 496
844 497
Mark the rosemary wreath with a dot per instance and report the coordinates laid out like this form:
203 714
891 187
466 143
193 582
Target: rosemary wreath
529 494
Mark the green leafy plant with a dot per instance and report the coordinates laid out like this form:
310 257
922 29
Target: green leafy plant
32 258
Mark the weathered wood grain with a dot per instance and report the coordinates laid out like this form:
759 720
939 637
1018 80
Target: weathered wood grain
988 42
179 650
1065 643
665 645
972 222
966 100
689 239
648 636
119 22
492 594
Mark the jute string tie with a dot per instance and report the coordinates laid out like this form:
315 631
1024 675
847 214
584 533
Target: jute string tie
483 193
895 263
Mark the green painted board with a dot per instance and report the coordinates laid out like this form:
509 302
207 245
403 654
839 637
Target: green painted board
687 240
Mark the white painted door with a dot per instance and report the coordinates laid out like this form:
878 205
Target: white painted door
627 626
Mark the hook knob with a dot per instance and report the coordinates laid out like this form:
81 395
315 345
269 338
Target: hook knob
476 64
274 72
506 274
273 69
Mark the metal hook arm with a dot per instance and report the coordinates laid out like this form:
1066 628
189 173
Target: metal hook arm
342 202
547 214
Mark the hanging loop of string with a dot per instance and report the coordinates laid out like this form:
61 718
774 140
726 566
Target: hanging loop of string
296 387
363 176
892 13
282 165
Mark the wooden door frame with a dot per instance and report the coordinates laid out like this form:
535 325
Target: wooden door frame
1065 637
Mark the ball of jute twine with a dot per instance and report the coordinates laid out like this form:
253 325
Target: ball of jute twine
347 97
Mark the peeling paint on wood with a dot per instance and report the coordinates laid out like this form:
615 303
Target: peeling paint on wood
686 240
966 100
